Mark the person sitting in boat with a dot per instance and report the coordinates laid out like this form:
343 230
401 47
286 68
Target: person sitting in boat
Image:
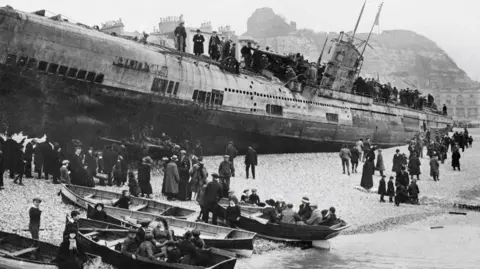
173 253
232 214
99 214
124 200
232 196
70 253
161 234
255 199
305 210
245 197
280 205
187 249
316 217
197 241
71 222
147 248
330 218
289 215
130 244
142 231
269 211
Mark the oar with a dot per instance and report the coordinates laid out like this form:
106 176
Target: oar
27 230
102 230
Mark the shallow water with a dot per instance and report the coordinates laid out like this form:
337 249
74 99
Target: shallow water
411 246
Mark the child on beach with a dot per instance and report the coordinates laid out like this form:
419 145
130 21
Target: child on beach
390 189
413 191
382 190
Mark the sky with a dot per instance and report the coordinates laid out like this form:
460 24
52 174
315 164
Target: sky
453 25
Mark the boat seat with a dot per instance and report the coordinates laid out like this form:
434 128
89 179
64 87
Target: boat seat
138 207
115 242
90 234
19 252
88 196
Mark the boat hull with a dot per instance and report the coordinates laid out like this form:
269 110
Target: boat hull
238 242
43 255
64 108
284 231
125 261
76 195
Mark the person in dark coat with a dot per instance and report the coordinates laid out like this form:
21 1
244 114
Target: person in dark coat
91 161
198 151
71 222
397 162
231 151
118 173
380 165
251 161
49 159
434 168
144 177
367 174
76 166
403 177
382 189
70 253
414 166
413 192
355 155
226 170
226 49
456 159
213 46
400 194
180 37
38 159
35 214
133 184
390 189
11 155
232 214
184 192
172 178
198 40
213 194
99 214
19 168
124 201
305 211
28 157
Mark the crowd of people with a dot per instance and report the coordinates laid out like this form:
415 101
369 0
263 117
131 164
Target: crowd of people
406 169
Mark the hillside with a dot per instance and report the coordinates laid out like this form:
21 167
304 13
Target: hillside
402 57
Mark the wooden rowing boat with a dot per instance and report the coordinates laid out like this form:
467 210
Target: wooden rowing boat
105 239
238 241
18 252
250 220
84 196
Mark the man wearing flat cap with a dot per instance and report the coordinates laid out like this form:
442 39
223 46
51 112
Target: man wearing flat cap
198 40
213 194
225 171
180 36
130 244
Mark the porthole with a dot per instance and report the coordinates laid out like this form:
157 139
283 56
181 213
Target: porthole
255 104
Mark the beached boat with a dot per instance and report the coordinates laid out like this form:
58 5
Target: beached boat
238 241
105 239
18 252
83 196
250 220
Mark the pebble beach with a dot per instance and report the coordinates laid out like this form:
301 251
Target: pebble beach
289 176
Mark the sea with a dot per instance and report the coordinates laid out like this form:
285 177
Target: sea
445 241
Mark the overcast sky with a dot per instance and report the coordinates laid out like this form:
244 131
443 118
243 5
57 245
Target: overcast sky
453 25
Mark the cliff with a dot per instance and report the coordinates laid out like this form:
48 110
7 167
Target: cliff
402 57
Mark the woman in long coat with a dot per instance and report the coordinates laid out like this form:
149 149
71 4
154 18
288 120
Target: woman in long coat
397 162
144 177
380 165
456 159
367 174
172 178
414 166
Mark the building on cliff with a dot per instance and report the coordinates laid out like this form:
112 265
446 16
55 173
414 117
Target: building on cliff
292 44
462 103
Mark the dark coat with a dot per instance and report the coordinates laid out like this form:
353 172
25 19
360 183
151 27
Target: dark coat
390 188
28 156
184 169
133 186
355 154
144 178
213 44
226 169
403 179
413 189
198 40
434 167
91 162
232 213
198 151
110 157
99 215
213 193
70 259
34 214
456 158
11 154
231 151
414 166
382 190
49 158
367 174
305 211
397 163
123 202
251 157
